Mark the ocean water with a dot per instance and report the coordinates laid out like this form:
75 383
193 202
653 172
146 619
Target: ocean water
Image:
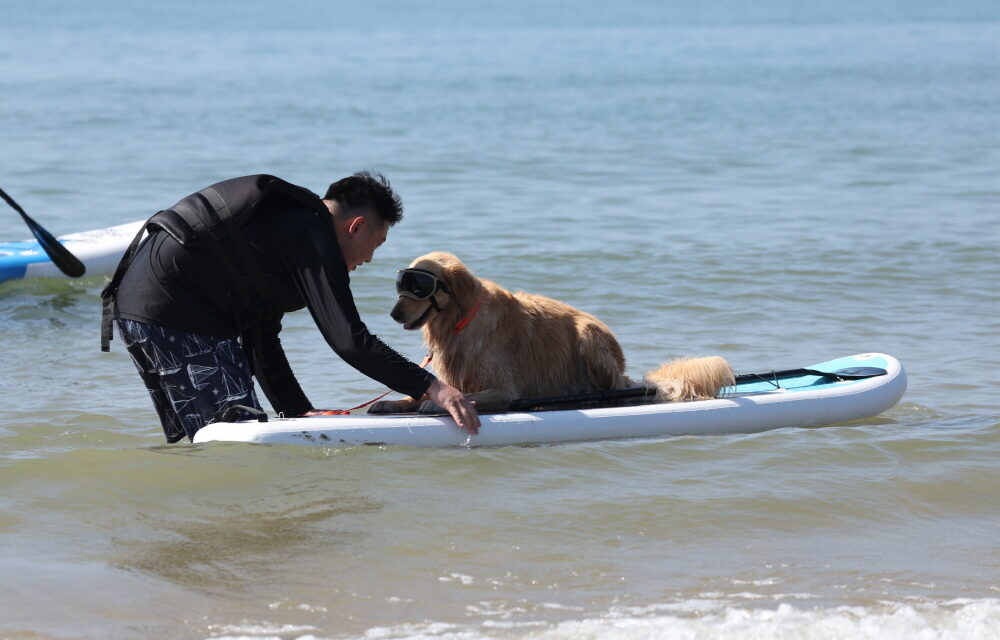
778 183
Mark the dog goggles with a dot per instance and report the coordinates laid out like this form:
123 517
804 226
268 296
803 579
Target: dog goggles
418 284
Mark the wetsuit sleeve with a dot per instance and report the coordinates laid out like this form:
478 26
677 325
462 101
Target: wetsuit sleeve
272 371
321 276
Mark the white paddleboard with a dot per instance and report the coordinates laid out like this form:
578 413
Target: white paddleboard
751 406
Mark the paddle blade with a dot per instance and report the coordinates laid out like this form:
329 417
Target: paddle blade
60 255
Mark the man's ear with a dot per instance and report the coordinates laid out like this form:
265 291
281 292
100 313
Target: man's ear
356 224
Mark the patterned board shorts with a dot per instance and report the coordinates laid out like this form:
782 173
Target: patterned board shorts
191 378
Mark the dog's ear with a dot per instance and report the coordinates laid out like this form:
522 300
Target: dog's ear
463 285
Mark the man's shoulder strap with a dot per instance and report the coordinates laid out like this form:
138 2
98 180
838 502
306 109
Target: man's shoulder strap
243 194
221 209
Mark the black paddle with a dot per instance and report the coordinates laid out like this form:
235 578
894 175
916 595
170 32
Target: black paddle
852 373
60 255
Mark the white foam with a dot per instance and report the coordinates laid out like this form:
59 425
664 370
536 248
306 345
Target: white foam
423 630
971 620
259 631
965 619
301 606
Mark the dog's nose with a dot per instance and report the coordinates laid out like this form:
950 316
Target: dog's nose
396 315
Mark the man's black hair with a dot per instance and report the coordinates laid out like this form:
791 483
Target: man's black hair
367 191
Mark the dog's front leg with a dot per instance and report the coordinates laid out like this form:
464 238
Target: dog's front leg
406 405
488 400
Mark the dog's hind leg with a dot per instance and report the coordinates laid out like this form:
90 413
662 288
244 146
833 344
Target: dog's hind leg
602 357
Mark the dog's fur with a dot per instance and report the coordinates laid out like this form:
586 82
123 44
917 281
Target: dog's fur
524 345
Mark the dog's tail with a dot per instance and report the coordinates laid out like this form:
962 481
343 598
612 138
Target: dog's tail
690 379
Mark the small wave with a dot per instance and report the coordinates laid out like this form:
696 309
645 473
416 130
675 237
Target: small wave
966 618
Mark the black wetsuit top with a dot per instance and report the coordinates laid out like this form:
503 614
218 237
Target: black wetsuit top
297 253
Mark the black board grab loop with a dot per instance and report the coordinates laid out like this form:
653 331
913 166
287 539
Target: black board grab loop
239 413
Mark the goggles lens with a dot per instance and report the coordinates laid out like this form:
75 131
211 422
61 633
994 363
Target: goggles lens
416 283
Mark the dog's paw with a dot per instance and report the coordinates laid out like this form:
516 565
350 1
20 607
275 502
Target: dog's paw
428 406
406 405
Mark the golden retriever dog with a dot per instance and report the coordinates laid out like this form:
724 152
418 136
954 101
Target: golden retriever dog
496 346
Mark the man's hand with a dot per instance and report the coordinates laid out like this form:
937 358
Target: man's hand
451 400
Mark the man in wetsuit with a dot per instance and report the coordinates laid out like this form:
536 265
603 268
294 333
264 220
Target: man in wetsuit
198 303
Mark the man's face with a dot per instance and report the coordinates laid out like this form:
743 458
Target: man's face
364 236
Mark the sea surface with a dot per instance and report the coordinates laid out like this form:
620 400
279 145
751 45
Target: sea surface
778 182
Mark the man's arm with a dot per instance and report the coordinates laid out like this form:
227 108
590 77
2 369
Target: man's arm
271 369
322 279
